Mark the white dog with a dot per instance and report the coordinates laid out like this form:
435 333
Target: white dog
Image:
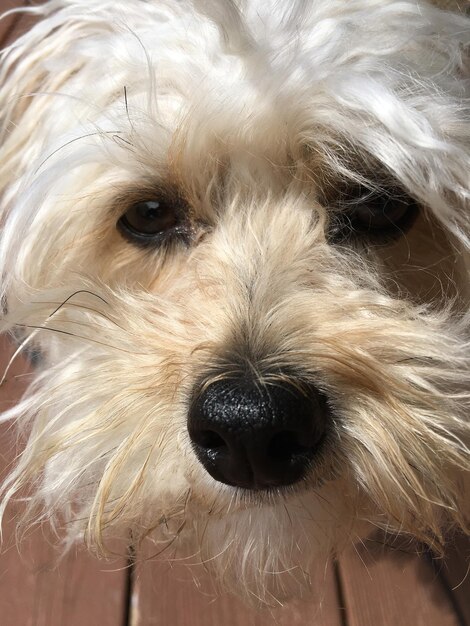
235 235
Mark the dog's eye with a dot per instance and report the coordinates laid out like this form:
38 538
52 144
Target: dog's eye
376 215
149 221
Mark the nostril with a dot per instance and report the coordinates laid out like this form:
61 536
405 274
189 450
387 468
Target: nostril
287 445
209 439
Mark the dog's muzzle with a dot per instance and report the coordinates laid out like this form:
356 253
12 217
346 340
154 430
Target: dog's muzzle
255 436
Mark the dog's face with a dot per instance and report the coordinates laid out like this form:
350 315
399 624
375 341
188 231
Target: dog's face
237 239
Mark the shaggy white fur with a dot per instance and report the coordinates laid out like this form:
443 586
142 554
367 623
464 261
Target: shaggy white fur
293 139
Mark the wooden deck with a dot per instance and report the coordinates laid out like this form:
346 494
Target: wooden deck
369 586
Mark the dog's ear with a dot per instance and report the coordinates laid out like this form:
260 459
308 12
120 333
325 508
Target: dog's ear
22 74
55 82
59 71
34 68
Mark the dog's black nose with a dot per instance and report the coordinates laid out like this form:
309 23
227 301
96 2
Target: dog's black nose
257 436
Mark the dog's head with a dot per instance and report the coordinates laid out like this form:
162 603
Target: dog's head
237 235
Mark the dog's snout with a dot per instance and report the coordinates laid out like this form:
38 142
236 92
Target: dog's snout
257 436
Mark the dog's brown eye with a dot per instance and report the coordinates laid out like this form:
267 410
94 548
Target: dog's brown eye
150 217
378 213
150 221
375 215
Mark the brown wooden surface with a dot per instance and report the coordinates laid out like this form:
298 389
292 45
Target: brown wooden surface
391 587
165 594
369 587
37 589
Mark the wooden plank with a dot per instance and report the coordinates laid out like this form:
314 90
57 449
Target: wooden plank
167 595
386 587
36 586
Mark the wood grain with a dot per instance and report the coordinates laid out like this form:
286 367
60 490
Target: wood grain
38 588
385 587
165 594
